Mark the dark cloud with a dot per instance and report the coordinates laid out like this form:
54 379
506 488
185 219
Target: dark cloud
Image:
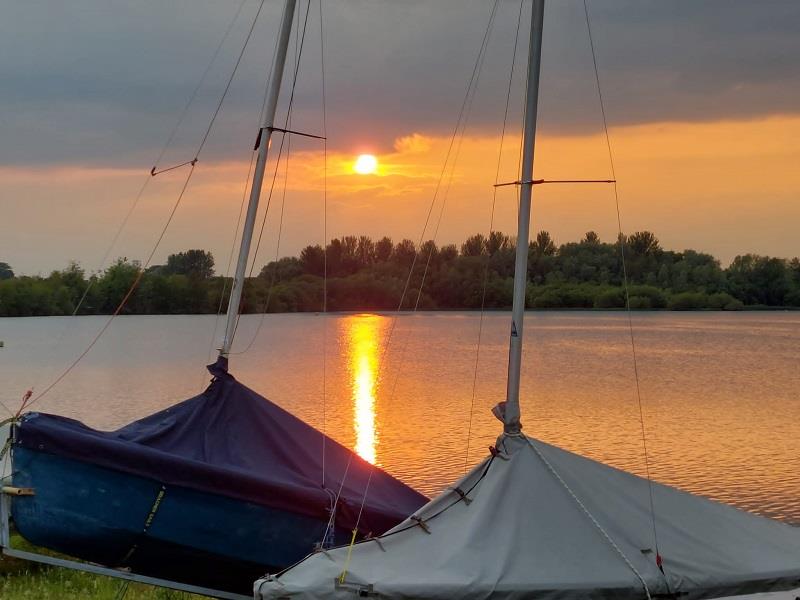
104 82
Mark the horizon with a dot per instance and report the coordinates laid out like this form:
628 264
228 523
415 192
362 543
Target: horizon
701 99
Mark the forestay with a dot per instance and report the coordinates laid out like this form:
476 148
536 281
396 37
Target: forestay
535 521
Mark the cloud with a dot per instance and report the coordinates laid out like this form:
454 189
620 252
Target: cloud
99 83
412 144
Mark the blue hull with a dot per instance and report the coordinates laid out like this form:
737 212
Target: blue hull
126 521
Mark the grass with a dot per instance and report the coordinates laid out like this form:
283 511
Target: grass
20 579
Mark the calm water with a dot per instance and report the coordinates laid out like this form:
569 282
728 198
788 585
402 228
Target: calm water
721 392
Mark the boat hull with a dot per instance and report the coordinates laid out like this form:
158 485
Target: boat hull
126 521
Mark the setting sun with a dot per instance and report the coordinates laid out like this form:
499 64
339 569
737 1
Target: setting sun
365 164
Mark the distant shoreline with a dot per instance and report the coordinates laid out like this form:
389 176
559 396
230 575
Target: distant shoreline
356 273
383 311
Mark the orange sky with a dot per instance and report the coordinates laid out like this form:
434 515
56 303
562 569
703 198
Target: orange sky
724 187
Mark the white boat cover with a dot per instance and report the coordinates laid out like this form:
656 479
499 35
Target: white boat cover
535 521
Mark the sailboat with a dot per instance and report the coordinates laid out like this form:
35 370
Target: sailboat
212 492
535 521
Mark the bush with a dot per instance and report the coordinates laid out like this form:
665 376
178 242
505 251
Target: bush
611 298
689 301
792 298
724 301
640 303
734 304
549 299
655 297
562 295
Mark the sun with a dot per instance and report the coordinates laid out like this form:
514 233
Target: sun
365 164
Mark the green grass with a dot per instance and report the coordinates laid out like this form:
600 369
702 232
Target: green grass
21 579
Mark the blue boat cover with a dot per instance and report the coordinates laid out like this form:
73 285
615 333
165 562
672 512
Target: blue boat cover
231 441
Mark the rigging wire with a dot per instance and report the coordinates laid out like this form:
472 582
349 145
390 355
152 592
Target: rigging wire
230 80
445 195
228 266
123 224
621 241
29 402
438 223
329 528
185 110
491 230
30 399
463 111
324 240
298 54
461 121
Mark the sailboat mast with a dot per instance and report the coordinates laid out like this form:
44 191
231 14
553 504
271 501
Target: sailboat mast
512 413
265 134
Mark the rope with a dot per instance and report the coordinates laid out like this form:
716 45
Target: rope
491 230
331 519
9 440
625 280
349 554
586 511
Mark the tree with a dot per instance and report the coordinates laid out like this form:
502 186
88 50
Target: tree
475 245
350 253
383 249
757 279
115 284
644 243
447 254
496 242
5 271
312 260
73 281
342 256
404 253
365 251
284 269
429 252
197 264
543 245
591 238
334 254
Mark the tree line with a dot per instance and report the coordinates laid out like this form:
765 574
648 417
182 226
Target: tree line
365 274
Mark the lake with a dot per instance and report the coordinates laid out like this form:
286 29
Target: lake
720 391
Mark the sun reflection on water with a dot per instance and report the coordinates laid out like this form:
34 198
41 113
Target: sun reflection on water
362 332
